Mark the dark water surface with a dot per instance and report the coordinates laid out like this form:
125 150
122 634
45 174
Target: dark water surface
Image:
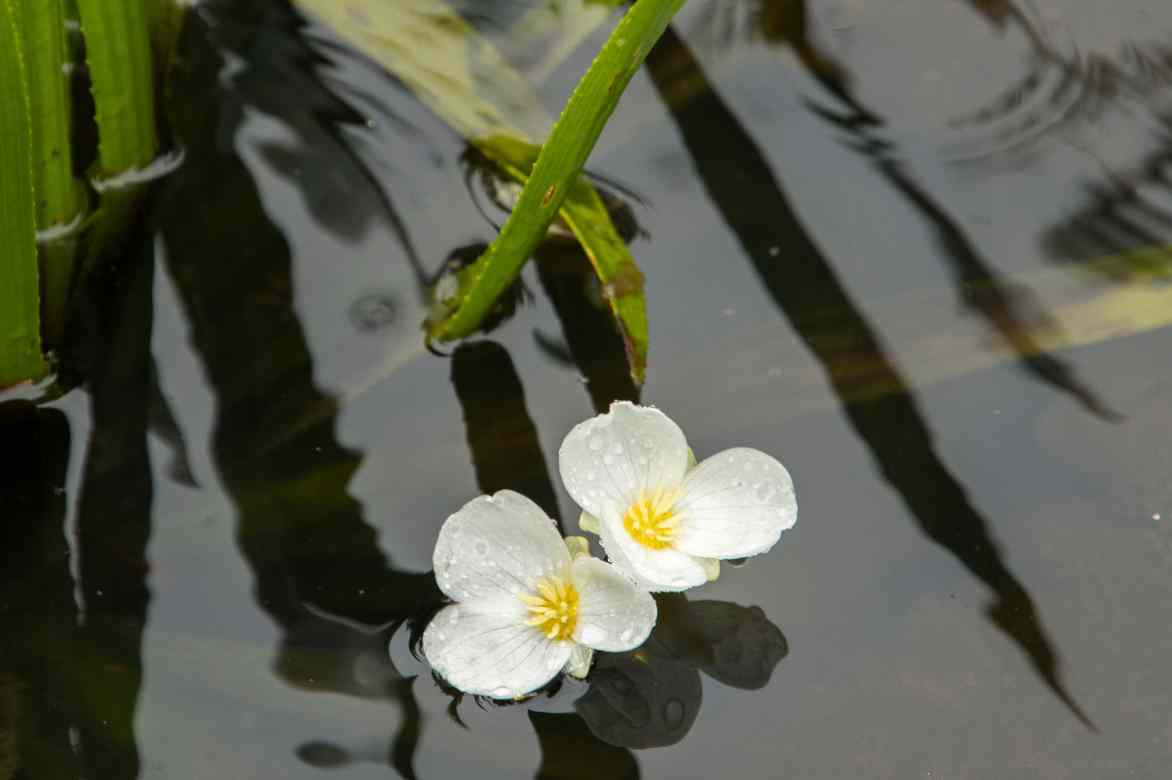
873 236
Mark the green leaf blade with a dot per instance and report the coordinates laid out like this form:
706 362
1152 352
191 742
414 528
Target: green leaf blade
561 160
20 339
118 51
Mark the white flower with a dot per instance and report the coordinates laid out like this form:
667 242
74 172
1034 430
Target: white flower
663 522
528 603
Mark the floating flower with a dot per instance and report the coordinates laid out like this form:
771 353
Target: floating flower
664 520
528 603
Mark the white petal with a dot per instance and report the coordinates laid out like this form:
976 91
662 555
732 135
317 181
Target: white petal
491 653
613 613
497 546
735 504
653 570
579 663
609 460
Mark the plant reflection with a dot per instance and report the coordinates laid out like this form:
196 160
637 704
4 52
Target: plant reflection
1122 233
1010 310
319 572
505 449
80 661
320 155
593 343
1062 90
37 610
651 696
877 401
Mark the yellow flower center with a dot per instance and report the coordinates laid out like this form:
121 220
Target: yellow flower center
553 610
651 521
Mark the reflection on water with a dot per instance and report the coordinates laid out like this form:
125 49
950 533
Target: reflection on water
651 696
875 398
1057 521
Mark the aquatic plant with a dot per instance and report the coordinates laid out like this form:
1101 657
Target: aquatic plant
41 201
528 603
663 519
498 112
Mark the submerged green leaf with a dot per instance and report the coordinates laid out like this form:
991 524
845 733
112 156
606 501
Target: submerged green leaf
20 339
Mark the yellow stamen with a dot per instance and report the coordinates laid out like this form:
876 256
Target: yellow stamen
553 610
651 521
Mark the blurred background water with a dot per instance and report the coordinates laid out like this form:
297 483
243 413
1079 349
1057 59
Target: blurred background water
917 250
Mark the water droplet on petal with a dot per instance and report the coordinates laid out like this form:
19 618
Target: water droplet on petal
592 635
596 443
608 459
503 693
627 635
764 491
454 615
481 547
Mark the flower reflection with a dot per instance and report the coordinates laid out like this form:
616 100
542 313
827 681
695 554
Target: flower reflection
666 524
651 697
528 604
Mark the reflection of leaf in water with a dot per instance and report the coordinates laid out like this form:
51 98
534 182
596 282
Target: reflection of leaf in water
805 287
569 751
1122 234
163 424
651 696
728 26
10 717
594 345
1060 91
38 619
506 451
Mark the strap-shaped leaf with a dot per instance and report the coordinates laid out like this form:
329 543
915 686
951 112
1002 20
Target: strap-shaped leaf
20 339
